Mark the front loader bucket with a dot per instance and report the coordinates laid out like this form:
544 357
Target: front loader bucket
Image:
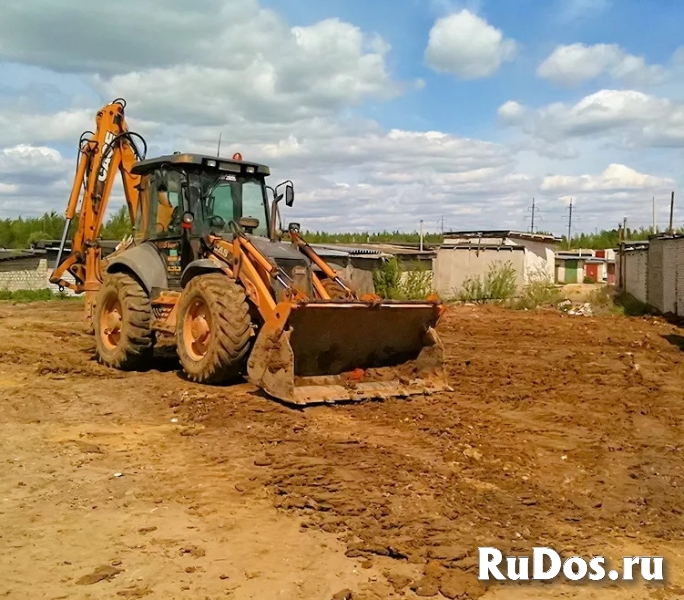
332 351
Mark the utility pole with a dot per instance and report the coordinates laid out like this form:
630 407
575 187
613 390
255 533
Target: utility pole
421 235
218 148
442 223
570 223
671 228
654 219
624 228
532 220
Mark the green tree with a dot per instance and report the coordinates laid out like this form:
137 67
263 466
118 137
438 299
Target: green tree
118 226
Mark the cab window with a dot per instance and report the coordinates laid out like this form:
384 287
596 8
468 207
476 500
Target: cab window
165 206
232 199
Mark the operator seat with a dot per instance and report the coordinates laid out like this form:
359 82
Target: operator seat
165 209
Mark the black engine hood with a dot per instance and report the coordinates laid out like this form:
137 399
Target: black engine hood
279 251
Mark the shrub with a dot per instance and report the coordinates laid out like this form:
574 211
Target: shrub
603 299
387 278
499 283
629 305
416 284
538 293
392 283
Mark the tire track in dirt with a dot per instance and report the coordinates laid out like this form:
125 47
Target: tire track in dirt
561 431
540 444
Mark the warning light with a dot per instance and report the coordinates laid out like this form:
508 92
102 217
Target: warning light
237 156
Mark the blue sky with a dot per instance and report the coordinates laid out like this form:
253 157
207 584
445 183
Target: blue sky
383 113
652 30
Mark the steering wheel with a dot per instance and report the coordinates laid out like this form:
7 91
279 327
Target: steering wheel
175 218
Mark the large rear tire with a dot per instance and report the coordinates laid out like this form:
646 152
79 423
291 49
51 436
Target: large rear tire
214 329
123 323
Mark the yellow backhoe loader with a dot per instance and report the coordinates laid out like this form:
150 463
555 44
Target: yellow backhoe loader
209 264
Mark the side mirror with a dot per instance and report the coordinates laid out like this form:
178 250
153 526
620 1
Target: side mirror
289 193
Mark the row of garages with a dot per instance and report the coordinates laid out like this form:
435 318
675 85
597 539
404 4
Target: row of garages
652 272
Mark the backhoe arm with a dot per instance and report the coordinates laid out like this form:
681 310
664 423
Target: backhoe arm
109 149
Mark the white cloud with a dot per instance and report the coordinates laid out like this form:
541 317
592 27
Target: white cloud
60 34
307 72
575 64
18 126
577 10
281 94
615 178
511 112
356 175
32 178
204 60
602 200
467 46
26 163
627 118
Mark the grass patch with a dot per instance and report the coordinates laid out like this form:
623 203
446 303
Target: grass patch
34 295
629 305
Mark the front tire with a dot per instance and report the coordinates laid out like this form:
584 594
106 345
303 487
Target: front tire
214 329
123 323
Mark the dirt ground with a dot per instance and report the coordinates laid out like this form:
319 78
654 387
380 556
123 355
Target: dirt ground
561 431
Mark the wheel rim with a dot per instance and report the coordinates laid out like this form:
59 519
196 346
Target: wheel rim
197 329
111 322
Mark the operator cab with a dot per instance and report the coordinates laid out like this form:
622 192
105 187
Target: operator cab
186 197
215 191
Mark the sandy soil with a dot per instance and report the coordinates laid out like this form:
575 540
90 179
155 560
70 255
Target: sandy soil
561 431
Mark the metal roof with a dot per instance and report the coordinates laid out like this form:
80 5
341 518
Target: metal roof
200 160
342 250
480 247
53 245
18 254
503 233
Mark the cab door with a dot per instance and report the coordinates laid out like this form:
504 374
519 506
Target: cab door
164 223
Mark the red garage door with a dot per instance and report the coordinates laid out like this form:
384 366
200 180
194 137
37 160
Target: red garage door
591 271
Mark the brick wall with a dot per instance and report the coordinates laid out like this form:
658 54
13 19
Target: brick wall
670 277
679 275
635 274
29 273
655 274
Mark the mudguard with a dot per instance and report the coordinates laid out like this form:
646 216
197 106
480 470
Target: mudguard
202 265
146 264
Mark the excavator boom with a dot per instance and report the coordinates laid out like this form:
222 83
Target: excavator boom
109 149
